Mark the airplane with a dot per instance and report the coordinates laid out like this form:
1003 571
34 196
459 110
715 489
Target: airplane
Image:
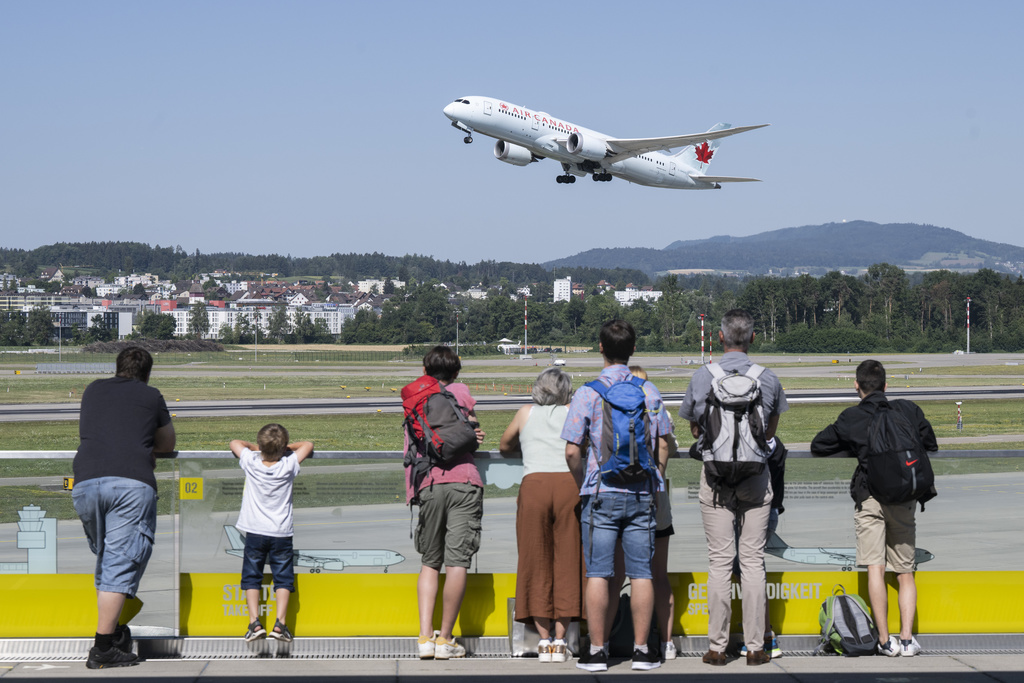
525 136
316 560
844 557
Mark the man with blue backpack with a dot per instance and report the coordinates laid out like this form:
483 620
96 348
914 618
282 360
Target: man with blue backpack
624 427
733 407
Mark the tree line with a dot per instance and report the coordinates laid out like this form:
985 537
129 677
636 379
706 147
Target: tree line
884 310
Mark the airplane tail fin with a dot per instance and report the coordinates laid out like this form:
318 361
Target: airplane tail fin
774 542
698 157
235 537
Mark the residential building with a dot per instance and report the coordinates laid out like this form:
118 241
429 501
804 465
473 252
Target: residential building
563 289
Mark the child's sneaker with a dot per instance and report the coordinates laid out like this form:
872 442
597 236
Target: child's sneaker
909 648
108 659
426 646
891 647
544 651
448 649
559 651
281 632
668 651
255 632
771 646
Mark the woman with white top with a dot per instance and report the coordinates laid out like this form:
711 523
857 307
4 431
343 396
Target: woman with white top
549 582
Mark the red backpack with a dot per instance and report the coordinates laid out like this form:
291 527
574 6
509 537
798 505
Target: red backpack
439 428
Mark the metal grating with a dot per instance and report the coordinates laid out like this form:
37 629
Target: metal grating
77 649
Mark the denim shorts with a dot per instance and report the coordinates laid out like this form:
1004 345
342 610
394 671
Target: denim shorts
275 549
609 516
119 519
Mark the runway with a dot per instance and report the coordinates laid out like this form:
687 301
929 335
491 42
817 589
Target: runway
331 406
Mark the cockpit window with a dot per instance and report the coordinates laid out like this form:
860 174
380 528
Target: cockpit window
464 101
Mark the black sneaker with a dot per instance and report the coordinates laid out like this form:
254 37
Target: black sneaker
593 661
123 638
255 632
281 632
108 659
645 661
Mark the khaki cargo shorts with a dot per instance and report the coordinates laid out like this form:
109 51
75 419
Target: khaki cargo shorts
448 530
886 535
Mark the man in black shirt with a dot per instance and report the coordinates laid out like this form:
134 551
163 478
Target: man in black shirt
885 532
123 422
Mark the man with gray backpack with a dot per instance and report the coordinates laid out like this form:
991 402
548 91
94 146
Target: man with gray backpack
733 407
891 440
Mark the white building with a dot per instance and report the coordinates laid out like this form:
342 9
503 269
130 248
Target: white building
334 315
563 289
631 294
376 285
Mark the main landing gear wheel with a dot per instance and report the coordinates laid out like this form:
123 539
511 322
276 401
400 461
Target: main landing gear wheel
568 179
602 177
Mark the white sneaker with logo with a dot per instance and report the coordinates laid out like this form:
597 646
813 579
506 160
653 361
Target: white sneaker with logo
909 648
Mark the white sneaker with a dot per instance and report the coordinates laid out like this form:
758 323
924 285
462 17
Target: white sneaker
544 651
909 648
668 650
891 647
559 651
448 649
427 647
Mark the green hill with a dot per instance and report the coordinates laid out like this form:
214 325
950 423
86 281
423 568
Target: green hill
850 245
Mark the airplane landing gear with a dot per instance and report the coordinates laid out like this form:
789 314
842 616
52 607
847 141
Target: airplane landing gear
568 179
468 139
602 177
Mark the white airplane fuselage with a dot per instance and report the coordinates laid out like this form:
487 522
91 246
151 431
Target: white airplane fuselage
544 136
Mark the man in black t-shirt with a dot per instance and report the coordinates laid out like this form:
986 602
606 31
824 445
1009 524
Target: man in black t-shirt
123 422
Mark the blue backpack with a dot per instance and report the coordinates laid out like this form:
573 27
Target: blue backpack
626 445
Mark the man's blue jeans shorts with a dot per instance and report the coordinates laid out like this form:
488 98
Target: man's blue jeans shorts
275 549
119 518
606 517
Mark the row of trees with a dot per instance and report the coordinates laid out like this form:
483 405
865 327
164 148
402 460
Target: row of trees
884 310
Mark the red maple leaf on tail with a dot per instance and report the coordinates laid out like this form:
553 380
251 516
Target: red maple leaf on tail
704 153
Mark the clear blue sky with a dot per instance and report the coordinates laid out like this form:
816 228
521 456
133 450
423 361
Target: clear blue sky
308 128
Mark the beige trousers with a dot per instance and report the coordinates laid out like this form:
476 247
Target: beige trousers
754 496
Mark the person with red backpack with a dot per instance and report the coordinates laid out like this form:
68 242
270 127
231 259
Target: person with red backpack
441 434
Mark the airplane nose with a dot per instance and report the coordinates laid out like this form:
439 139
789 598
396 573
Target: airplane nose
449 111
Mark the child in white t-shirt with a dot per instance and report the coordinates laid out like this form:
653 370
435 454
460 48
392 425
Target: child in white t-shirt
266 520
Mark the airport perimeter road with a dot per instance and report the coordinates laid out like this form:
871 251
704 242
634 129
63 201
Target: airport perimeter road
983 668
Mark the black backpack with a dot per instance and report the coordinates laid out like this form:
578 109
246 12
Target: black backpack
898 467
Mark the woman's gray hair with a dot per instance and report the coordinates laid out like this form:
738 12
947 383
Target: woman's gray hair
553 387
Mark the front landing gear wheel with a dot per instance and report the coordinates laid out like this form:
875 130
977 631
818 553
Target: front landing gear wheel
468 139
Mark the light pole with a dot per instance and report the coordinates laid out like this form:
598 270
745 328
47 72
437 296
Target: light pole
456 332
968 326
701 316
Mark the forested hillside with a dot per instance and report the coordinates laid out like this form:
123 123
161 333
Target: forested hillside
817 248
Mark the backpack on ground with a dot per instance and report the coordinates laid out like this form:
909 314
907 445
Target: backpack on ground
438 427
732 442
846 625
626 445
898 467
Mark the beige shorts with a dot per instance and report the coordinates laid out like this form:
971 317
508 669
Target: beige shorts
886 535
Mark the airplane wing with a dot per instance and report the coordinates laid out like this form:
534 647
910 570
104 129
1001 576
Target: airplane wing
624 148
722 179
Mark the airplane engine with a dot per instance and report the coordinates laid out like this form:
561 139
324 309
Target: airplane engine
334 566
592 149
512 154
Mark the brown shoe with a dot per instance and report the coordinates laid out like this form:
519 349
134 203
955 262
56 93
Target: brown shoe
714 658
757 657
